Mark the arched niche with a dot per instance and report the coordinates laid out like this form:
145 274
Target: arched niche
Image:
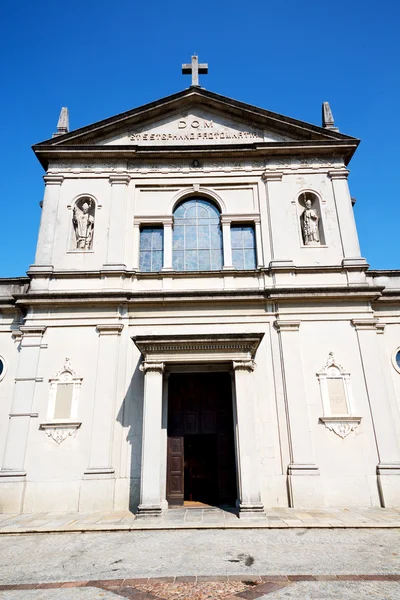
83 223
311 223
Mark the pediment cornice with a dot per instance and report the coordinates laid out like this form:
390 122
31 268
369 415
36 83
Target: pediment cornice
297 136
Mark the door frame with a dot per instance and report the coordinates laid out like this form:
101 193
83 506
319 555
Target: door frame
193 353
186 369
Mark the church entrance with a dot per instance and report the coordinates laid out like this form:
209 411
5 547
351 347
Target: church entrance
201 453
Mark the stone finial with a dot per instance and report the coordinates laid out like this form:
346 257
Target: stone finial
328 122
63 122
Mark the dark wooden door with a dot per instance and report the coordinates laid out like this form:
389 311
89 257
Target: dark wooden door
200 420
175 492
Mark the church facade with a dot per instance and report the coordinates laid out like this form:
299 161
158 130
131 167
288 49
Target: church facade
199 325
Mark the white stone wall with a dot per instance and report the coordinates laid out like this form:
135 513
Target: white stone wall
98 467
55 472
125 196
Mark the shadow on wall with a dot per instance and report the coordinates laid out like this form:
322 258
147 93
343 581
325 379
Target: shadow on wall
130 416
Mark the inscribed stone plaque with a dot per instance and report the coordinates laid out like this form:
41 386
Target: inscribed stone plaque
337 396
63 401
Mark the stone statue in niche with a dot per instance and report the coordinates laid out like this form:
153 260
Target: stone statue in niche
309 223
83 223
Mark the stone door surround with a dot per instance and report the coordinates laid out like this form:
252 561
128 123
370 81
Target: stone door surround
160 351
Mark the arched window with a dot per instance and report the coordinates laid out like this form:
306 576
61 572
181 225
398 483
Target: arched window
197 237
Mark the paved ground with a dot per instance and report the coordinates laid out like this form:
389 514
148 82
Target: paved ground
268 564
209 518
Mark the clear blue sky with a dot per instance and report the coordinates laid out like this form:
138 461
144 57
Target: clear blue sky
100 58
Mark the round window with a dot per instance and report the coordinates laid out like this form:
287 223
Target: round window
1 367
396 359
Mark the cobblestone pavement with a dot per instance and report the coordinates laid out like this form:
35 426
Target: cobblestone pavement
195 565
206 518
348 588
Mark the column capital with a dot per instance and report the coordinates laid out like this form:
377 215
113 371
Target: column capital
110 329
339 174
272 176
365 324
287 325
244 365
119 179
53 179
152 366
32 330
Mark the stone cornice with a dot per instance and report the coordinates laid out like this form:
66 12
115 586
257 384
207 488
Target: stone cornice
240 348
344 148
281 294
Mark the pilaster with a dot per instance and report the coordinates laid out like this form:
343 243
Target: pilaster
150 489
259 249
167 265
44 251
97 489
304 487
249 483
346 221
116 232
387 444
13 469
279 244
136 245
104 401
227 244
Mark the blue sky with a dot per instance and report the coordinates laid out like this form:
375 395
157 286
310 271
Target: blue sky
100 58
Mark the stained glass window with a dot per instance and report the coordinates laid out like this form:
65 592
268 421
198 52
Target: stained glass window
151 249
243 246
197 237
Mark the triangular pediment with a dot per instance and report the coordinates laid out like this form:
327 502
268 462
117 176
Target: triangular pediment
196 125
192 118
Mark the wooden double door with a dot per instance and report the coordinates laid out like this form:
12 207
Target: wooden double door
201 452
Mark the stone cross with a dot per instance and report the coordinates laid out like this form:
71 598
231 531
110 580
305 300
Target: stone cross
193 69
